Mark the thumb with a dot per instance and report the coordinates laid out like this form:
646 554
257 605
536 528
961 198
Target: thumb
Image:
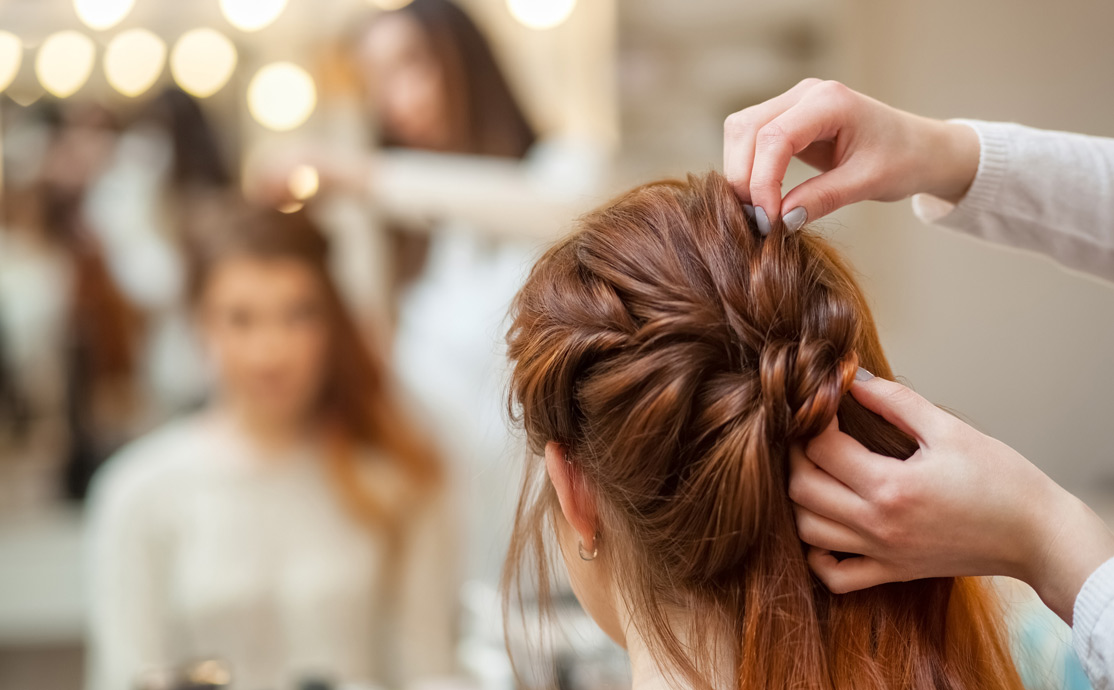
850 574
901 407
827 192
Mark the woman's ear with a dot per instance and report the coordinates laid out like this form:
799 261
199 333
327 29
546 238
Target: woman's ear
577 503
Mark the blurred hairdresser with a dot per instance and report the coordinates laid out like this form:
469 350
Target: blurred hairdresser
477 191
293 530
965 504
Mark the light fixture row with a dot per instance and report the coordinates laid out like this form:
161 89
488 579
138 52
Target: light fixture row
245 15
253 15
281 96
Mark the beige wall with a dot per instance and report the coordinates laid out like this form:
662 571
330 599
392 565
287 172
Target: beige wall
1020 347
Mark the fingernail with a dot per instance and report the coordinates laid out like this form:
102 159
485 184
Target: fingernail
795 219
763 221
863 375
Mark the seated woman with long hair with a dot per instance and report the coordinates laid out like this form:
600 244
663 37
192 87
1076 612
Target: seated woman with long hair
666 357
295 529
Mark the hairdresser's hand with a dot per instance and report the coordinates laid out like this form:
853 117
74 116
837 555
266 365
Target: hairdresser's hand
865 150
963 504
279 177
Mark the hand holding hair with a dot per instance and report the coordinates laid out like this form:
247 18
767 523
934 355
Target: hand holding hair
963 504
269 177
865 150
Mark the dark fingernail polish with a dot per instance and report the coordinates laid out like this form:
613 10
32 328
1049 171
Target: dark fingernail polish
863 375
762 220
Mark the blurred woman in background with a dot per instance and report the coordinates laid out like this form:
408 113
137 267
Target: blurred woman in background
294 528
471 192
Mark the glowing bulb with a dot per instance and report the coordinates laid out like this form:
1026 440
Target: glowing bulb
102 14
251 15
64 62
292 207
281 96
391 4
11 57
541 14
202 62
26 95
133 61
304 182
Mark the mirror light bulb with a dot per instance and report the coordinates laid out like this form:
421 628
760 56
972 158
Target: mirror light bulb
64 62
541 14
202 62
102 14
11 57
282 96
251 15
133 61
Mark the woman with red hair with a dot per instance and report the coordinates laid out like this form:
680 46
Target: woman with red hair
666 358
295 529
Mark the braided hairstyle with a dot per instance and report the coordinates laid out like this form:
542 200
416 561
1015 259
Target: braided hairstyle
677 354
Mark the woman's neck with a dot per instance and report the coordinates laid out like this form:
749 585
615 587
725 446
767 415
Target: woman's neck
646 673
271 434
649 672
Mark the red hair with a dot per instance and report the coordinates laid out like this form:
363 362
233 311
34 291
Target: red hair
677 354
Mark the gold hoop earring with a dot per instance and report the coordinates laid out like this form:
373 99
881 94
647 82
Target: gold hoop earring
595 549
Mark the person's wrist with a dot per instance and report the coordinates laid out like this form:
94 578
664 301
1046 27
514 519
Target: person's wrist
1072 543
344 173
358 176
954 150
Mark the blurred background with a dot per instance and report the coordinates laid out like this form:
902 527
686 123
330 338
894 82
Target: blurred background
437 151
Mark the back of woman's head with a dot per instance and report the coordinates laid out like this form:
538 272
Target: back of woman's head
676 355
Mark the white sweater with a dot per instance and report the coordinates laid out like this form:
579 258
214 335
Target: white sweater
1050 192
201 547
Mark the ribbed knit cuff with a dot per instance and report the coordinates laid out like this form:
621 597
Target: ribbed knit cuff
993 162
1094 611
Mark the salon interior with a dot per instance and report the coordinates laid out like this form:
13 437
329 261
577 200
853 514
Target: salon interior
148 540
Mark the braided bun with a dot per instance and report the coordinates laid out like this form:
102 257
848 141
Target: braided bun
677 342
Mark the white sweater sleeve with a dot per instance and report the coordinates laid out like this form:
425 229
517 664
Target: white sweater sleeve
1093 627
1049 192
507 199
